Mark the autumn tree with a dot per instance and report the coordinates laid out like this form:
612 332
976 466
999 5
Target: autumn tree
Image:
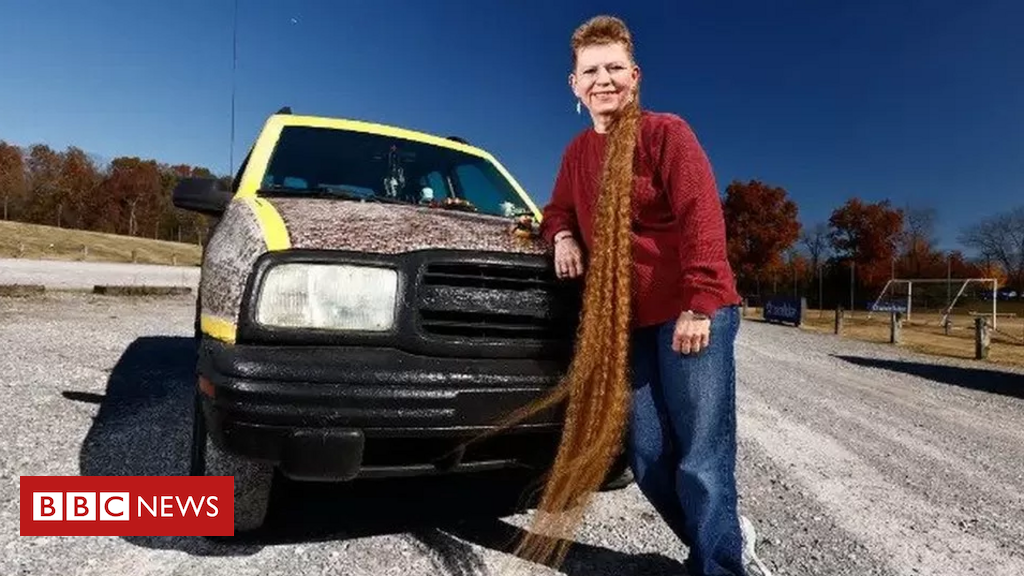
175 224
1000 240
130 195
988 268
762 224
13 185
959 266
867 235
79 181
44 173
191 226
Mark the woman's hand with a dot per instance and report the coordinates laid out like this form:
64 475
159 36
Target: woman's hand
692 333
568 257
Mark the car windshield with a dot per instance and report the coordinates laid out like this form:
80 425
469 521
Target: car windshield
355 165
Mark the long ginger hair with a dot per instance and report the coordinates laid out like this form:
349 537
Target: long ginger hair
595 388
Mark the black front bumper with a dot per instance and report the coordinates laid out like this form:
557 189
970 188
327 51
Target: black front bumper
337 412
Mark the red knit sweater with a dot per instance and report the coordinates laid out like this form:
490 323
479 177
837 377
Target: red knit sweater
680 260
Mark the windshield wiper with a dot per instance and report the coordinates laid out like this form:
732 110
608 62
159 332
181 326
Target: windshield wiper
314 192
326 192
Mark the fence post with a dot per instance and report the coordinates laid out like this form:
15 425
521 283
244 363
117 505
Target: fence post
948 325
745 306
895 327
839 320
982 338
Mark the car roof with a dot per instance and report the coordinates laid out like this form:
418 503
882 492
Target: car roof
287 118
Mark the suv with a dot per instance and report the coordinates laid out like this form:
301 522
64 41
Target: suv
370 298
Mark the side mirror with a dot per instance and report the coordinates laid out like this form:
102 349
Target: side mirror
203 195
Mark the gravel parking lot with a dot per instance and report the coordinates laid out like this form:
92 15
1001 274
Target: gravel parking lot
84 275
854 459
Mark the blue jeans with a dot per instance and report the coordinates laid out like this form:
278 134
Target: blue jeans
683 440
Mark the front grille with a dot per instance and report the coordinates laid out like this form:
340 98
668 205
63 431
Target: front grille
496 276
492 301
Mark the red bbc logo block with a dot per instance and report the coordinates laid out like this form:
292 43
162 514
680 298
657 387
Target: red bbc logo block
127 506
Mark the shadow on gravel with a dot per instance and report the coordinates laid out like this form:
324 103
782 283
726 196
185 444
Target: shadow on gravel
447 518
994 381
143 427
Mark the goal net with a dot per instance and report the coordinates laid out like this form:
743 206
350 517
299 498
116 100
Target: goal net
938 300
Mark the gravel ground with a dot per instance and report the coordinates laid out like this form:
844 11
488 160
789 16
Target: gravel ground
85 275
854 459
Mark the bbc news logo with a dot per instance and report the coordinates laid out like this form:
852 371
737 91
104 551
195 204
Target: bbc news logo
127 506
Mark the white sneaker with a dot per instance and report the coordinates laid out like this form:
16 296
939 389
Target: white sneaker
751 563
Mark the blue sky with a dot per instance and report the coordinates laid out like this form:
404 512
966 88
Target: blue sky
919 101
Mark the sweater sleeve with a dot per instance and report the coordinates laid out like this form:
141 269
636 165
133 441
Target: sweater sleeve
560 212
693 195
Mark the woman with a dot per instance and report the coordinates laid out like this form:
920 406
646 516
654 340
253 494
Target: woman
636 213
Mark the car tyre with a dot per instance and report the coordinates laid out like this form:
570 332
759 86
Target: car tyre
620 476
253 478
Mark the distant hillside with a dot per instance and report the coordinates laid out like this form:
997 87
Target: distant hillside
51 243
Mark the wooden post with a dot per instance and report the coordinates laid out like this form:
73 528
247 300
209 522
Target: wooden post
85 252
174 259
982 338
135 256
947 326
746 304
895 327
839 320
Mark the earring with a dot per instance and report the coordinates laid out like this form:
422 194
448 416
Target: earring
578 110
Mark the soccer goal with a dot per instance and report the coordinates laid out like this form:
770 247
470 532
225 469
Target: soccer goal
900 294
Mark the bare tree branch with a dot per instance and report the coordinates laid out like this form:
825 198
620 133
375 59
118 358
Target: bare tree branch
1000 238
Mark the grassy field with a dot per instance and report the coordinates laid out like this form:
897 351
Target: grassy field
924 332
33 241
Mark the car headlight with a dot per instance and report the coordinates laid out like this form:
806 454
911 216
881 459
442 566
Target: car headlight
331 296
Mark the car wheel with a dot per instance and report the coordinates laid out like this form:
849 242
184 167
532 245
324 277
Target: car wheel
620 476
253 479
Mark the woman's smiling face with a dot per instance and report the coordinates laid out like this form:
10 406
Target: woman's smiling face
604 78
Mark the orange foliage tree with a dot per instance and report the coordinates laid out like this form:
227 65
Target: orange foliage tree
131 191
70 189
761 223
80 178
992 269
868 236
